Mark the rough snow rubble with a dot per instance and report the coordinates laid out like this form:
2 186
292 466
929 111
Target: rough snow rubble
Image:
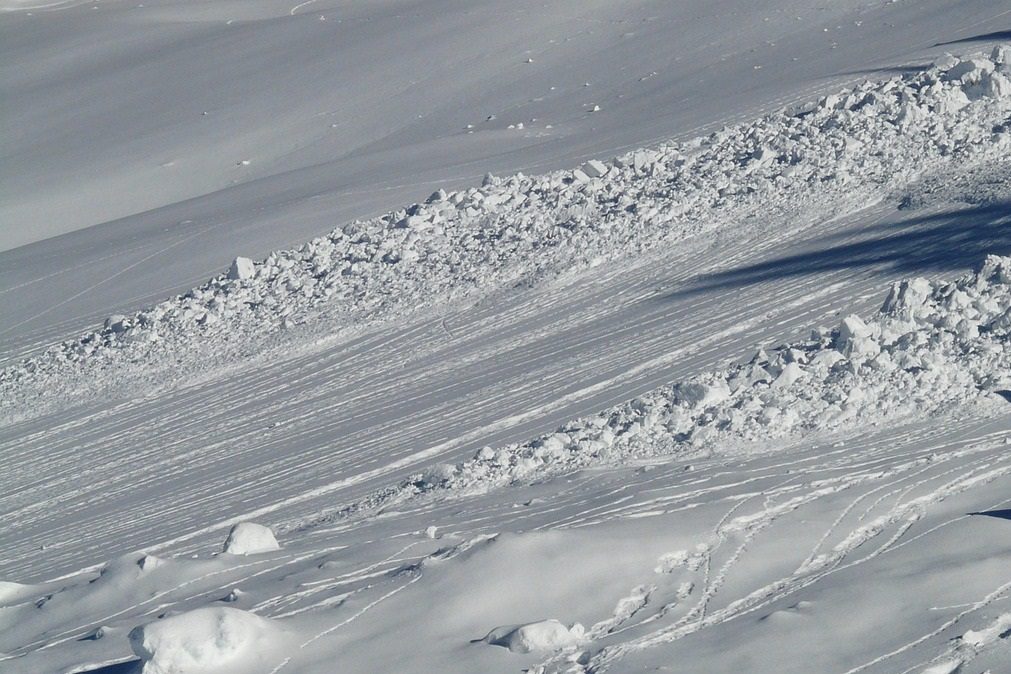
933 345
847 147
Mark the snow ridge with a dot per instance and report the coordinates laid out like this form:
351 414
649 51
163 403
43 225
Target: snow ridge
931 347
844 149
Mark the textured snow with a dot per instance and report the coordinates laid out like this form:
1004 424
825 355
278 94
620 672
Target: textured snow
545 635
205 641
804 509
847 147
933 346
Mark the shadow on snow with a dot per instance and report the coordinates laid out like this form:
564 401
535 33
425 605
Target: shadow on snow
926 244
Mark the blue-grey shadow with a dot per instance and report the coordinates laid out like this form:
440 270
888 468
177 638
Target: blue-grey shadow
930 243
1000 514
995 36
893 70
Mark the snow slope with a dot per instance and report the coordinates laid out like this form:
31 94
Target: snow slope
371 397
107 137
851 147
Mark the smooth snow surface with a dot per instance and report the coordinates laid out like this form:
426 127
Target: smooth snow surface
734 402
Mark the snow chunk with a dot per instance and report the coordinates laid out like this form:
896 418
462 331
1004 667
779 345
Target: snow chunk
969 67
543 636
247 538
117 323
791 373
204 641
698 394
242 268
852 327
595 168
907 295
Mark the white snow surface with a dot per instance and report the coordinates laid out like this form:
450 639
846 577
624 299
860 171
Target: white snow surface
168 137
543 635
851 147
836 502
209 640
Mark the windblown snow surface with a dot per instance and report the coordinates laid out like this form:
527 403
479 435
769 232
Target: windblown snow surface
777 359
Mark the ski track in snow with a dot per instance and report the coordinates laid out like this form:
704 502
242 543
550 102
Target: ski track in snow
317 439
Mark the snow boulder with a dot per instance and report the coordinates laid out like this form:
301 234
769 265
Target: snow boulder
242 268
212 640
247 538
543 636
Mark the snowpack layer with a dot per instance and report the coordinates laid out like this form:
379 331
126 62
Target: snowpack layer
847 148
738 518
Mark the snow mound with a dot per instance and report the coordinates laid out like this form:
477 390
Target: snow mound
213 640
543 636
15 593
847 148
932 346
247 538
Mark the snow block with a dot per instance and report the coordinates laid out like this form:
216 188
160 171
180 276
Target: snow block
247 538
242 268
791 373
701 395
544 636
205 641
852 327
969 69
595 168
116 323
908 295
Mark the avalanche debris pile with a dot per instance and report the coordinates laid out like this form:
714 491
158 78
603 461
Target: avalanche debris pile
933 345
853 145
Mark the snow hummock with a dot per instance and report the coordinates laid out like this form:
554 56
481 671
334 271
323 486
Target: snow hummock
851 147
13 593
249 538
542 636
211 640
